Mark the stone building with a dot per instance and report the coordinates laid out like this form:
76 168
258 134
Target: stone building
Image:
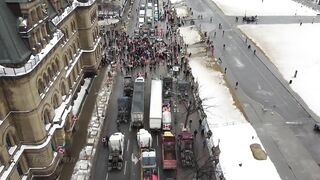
47 47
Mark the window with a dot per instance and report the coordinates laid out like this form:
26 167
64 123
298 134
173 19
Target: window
46 117
8 141
41 86
55 101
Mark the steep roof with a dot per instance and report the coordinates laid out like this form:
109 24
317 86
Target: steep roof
13 50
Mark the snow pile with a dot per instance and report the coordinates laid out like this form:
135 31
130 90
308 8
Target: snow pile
190 34
182 11
175 1
263 8
108 21
292 47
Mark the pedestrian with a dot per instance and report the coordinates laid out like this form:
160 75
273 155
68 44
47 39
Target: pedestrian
237 85
200 122
224 46
215 33
237 19
254 51
225 70
195 132
222 32
249 46
300 23
204 143
202 131
211 19
190 54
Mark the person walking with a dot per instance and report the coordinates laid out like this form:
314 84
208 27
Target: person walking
204 143
200 123
195 132
237 85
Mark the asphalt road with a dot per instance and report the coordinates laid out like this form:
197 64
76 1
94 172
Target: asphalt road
281 119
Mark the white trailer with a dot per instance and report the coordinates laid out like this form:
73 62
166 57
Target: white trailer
155 105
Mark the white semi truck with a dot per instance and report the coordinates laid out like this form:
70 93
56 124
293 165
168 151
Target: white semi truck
155 115
147 154
115 157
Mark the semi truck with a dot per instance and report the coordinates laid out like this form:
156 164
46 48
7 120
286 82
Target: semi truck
124 107
169 158
115 157
137 108
148 155
155 115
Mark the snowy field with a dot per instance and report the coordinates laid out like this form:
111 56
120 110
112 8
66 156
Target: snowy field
263 8
292 47
229 126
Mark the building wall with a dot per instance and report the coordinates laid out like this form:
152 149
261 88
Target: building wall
33 97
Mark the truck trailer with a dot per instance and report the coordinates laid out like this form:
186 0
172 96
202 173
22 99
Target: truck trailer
137 108
155 115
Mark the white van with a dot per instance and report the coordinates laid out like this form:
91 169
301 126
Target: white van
166 121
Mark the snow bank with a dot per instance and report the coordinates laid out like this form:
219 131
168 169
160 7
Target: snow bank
222 110
190 34
293 47
263 8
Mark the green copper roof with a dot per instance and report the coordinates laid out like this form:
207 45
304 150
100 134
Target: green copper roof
13 50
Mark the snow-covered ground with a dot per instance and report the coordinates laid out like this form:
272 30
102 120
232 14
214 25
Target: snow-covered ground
263 8
293 47
228 124
190 34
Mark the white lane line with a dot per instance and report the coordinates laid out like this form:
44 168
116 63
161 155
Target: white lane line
125 167
107 176
128 144
157 141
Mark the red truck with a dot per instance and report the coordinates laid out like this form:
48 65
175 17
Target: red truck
169 157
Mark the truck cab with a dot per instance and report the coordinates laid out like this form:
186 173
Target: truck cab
116 145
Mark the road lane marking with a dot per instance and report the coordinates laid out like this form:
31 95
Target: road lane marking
107 176
125 167
128 144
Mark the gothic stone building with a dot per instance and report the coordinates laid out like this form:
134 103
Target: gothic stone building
47 47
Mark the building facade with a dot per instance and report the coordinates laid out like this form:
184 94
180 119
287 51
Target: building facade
47 48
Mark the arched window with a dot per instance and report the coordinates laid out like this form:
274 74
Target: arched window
55 101
46 79
51 75
46 117
54 68
63 89
71 55
66 61
57 63
9 141
41 86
